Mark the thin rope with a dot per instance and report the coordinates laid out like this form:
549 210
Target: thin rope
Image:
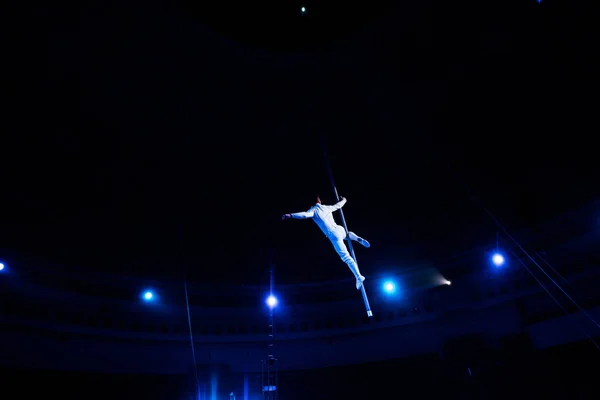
497 222
552 268
187 306
541 269
585 332
337 199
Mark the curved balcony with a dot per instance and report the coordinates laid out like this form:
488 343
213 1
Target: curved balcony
42 308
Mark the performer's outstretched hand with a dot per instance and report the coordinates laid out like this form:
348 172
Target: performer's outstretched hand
342 198
286 216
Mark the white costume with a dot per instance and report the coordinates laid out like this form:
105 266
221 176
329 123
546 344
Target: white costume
322 215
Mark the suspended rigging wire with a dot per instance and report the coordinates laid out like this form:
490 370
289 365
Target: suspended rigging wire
189 319
541 269
187 305
585 332
552 268
505 231
337 199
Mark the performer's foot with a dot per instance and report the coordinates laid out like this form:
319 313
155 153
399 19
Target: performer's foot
359 281
364 242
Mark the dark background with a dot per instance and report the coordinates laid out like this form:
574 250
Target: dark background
140 136
559 373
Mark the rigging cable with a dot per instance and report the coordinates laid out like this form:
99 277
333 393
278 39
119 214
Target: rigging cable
585 332
497 222
189 318
552 268
541 269
337 199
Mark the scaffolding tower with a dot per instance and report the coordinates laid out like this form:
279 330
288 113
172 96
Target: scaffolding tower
269 367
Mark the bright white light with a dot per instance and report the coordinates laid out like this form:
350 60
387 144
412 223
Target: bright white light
498 259
389 287
148 296
303 9
271 301
1 266
448 283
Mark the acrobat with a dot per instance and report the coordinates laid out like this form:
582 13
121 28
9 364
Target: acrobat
322 215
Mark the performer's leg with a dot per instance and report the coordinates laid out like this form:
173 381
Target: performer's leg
340 248
356 238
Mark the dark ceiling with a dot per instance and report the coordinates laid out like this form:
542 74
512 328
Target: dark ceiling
144 136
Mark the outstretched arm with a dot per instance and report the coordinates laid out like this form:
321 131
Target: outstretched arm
337 205
300 215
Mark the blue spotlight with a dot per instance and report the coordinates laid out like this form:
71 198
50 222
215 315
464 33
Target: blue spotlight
498 259
271 301
148 296
1 267
389 287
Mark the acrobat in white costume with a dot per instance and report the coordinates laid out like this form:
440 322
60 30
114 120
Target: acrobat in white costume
322 215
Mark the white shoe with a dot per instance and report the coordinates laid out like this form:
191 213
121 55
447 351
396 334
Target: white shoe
364 242
359 281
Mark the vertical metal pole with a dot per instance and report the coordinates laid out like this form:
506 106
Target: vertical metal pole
270 366
337 198
270 382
